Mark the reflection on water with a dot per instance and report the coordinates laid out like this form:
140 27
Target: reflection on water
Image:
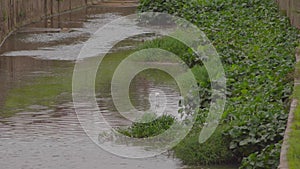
38 124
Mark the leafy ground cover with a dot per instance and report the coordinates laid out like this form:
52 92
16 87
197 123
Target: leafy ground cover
257 47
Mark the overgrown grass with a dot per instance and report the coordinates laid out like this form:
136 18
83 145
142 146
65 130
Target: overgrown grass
149 126
188 150
294 147
294 136
172 45
214 151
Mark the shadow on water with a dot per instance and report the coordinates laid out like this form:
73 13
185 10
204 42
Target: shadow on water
38 124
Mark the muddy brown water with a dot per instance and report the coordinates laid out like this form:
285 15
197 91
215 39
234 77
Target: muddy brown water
38 125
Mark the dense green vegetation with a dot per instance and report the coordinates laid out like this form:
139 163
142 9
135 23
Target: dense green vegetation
257 47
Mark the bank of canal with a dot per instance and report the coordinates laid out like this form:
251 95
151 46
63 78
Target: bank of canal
38 125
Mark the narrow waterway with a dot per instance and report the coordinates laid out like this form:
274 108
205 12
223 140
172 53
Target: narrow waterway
38 125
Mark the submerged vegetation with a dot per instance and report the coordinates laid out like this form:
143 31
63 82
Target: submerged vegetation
43 91
257 47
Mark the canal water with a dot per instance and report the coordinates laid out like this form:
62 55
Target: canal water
38 124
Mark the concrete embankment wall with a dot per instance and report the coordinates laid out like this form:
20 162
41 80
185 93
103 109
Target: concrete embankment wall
15 13
292 9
